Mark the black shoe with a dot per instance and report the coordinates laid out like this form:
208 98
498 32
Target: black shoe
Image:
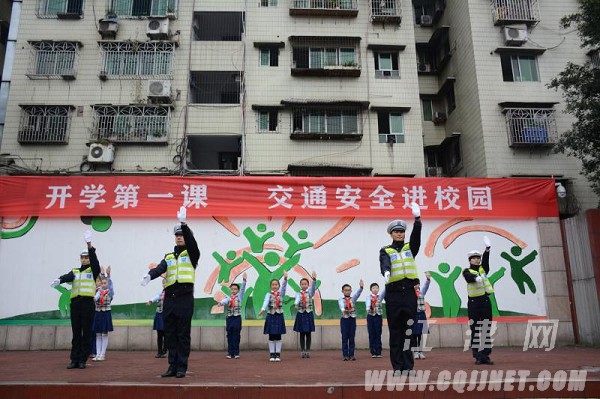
180 374
487 360
346 358
169 373
158 355
163 355
478 361
352 358
82 365
73 365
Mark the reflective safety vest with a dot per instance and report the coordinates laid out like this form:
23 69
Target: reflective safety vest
83 283
476 289
179 269
403 264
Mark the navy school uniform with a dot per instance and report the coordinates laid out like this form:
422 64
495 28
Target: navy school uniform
103 316
375 321
275 323
233 320
305 319
348 322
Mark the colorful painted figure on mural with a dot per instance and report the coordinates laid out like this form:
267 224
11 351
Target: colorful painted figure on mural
450 299
497 275
517 266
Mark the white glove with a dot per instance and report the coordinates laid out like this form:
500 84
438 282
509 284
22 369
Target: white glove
87 236
416 211
486 242
55 283
145 280
386 276
478 279
182 214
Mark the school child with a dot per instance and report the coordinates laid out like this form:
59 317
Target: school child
275 323
421 327
348 320
103 318
305 319
233 319
159 323
374 320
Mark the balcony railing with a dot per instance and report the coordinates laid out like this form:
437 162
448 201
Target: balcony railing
386 11
53 60
341 8
131 124
531 127
44 124
515 11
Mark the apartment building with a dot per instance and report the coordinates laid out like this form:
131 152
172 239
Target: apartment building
293 87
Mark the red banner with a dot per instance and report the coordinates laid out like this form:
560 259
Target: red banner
151 196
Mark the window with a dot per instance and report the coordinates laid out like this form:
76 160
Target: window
321 57
221 87
132 59
427 110
269 56
390 127
60 8
268 3
267 121
519 68
56 59
331 121
531 126
131 123
383 8
143 8
511 11
450 98
45 124
386 65
218 26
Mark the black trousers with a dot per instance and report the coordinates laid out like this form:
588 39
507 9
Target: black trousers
82 318
480 309
177 314
401 304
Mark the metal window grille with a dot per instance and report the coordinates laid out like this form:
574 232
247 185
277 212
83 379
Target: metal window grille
531 126
508 11
326 4
54 8
385 8
53 59
131 123
45 124
330 54
330 121
142 8
133 59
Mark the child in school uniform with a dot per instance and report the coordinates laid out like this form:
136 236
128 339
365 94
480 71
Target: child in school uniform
103 317
374 320
347 305
233 319
421 327
275 323
159 323
305 320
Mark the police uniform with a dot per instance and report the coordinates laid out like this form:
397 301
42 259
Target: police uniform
374 321
479 307
233 320
82 307
178 307
400 298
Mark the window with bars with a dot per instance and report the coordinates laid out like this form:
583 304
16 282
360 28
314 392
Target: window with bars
133 59
519 68
142 8
386 65
268 121
269 56
59 8
330 121
531 126
131 123
390 127
53 59
48 124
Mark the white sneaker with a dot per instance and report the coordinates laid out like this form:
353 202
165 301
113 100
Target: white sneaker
422 355
228 357
96 358
100 358
237 356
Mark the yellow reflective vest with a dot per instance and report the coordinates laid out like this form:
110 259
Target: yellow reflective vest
476 289
83 283
403 264
179 269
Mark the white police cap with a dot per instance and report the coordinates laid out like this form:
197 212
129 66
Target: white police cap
396 225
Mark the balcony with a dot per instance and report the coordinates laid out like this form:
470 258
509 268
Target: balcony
386 11
325 56
506 12
42 124
131 124
531 127
325 8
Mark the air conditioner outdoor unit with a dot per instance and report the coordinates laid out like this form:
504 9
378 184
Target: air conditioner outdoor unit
434 171
424 67
439 117
158 28
108 27
101 153
159 88
426 20
515 36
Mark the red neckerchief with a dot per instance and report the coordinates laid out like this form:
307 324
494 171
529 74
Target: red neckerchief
277 298
348 302
303 293
232 302
102 295
417 291
374 301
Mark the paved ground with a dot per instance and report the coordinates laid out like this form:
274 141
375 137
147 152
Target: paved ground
210 370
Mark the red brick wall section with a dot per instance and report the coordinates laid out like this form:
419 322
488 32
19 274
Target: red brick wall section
593 222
